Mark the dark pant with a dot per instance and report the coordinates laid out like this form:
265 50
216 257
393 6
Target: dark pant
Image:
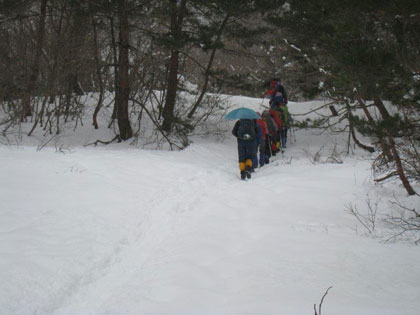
275 139
283 134
247 150
263 149
268 146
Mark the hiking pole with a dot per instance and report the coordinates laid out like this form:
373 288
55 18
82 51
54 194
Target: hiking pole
262 104
292 134
269 142
292 130
281 143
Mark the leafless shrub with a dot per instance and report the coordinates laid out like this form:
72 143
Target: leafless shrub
369 219
401 223
316 158
404 222
318 311
335 156
411 156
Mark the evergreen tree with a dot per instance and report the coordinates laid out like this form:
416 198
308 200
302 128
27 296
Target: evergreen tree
368 50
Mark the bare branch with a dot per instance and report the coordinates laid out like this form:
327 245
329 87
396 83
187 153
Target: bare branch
322 301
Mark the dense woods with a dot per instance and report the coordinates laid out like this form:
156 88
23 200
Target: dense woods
362 55
55 51
369 53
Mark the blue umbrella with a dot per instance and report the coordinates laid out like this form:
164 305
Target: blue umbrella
242 113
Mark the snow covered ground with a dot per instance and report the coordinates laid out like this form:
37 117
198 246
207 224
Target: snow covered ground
122 230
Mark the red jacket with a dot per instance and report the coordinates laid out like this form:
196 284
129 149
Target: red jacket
276 92
263 128
270 92
277 118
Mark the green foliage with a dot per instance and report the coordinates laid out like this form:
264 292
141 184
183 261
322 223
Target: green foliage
367 49
309 123
396 125
362 44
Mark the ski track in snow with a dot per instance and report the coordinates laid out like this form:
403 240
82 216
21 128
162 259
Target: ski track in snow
102 231
163 207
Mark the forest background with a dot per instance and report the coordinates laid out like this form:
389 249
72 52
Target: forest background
361 55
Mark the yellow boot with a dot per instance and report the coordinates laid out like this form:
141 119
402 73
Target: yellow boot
242 168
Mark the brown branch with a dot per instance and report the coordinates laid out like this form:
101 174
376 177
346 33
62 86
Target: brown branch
117 137
208 69
314 110
322 301
157 125
392 174
358 143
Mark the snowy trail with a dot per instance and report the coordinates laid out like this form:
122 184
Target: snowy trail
142 232
167 214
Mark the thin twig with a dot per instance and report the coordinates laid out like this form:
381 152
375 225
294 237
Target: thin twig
322 301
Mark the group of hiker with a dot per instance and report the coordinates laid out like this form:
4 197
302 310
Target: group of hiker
260 139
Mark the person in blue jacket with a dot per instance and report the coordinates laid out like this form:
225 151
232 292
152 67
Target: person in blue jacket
246 131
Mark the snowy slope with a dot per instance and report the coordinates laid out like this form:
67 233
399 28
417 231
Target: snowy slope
121 230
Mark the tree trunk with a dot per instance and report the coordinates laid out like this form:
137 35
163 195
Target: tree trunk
26 102
400 169
384 145
52 81
177 17
98 74
123 83
74 57
381 107
172 88
358 143
116 77
209 65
